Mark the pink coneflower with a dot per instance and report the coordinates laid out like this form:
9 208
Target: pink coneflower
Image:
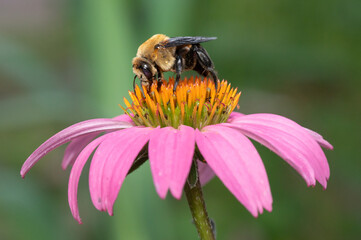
195 125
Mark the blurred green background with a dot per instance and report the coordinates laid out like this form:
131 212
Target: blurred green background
66 61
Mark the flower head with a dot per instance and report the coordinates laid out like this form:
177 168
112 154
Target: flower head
174 129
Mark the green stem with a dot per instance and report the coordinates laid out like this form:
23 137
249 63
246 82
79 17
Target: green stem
197 206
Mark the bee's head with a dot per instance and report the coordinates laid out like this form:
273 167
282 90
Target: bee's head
144 70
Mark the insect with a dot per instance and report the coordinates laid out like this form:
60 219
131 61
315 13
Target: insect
162 54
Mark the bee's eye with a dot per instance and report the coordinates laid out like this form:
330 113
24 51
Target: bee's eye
147 73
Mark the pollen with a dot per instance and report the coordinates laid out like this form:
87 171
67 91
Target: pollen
195 103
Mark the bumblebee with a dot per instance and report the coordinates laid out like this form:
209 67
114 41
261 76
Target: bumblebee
162 54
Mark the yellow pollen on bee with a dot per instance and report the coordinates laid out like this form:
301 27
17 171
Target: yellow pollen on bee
195 103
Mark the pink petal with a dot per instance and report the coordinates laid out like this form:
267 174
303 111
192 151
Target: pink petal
75 175
319 139
68 134
170 155
205 173
237 163
233 116
124 118
75 147
111 163
290 141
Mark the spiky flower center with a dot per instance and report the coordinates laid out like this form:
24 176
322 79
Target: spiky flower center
195 103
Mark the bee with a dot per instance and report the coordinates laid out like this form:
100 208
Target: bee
163 54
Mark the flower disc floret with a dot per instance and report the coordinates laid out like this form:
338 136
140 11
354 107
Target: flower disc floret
195 103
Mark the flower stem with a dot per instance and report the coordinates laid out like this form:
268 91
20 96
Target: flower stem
197 206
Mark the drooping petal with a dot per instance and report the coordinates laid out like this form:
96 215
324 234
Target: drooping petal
205 173
237 163
319 139
75 175
111 163
233 116
290 141
124 118
75 147
170 156
70 133
323 143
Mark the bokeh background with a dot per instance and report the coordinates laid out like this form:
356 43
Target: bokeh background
66 61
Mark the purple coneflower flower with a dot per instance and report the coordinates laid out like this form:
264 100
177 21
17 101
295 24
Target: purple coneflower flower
196 124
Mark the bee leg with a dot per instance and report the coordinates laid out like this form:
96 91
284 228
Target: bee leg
159 74
159 77
135 77
205 65
178 70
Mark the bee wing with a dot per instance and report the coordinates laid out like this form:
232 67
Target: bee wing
179 41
